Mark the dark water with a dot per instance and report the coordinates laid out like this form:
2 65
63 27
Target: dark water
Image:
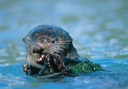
99 29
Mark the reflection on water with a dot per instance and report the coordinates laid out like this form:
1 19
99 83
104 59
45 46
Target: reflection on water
99 30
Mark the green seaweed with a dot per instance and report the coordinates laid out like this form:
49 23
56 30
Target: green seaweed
85 67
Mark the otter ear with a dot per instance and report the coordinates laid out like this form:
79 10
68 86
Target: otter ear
23 40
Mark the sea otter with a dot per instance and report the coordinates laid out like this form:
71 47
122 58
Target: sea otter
49 49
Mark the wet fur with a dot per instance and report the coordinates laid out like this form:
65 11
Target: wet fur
56 45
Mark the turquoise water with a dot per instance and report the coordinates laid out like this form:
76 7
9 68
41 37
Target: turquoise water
99 29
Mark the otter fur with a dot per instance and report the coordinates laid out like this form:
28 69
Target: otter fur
49 49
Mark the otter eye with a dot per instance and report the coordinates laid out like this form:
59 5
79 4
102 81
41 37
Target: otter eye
53 41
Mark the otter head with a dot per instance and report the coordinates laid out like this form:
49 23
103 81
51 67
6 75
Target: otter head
44 40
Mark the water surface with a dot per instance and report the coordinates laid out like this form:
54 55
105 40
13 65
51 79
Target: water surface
99 30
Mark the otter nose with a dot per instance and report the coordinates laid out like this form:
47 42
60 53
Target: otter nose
37 49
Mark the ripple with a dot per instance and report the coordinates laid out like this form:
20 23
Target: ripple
99 30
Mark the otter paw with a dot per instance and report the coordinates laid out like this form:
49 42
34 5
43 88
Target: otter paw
26 70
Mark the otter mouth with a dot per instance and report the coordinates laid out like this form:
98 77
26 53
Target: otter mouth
42 58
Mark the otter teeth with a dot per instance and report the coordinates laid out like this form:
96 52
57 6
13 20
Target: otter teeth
42 56
40 59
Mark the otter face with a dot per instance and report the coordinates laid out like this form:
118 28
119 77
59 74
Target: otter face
44 40
48 44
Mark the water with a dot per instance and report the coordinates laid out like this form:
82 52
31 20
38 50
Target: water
99 29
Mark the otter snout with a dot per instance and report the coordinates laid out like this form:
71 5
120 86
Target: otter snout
37 49
37 52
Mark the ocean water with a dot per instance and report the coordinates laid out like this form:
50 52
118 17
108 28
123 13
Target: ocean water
99 29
